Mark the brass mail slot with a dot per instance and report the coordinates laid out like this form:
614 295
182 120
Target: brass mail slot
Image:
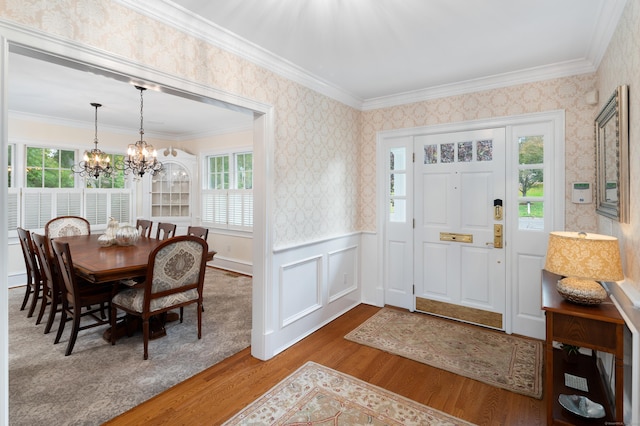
458 238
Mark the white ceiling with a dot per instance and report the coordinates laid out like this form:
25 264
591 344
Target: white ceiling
363 52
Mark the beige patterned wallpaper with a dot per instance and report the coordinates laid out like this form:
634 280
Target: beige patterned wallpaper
316 138
324 151
565 93
621 65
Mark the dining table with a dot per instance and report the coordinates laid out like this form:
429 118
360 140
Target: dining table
117 264
99 264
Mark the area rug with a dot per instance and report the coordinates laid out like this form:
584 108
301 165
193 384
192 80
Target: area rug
98 381
492 357
318 395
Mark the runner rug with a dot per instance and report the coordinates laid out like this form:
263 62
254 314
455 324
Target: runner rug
498 359
318 395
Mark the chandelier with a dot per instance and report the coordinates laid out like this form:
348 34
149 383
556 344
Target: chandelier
95 162
141 157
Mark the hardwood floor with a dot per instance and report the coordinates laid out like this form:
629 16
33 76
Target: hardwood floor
216 394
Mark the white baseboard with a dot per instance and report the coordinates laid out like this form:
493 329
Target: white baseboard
232 265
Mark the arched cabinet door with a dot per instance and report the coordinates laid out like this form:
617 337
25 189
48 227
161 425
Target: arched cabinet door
169 195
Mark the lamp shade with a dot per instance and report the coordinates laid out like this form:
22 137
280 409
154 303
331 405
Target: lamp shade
589 256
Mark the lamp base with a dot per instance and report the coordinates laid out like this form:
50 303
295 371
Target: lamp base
582 291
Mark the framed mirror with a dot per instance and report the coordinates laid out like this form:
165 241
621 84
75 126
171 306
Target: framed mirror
612 157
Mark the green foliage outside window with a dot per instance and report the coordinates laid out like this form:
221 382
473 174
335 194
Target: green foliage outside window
219 172
115 181
244 171
9 165
49 168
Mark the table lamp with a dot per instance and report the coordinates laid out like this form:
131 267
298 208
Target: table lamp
583 259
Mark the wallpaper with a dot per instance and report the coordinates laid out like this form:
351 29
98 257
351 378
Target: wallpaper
565 93
324 174
316 138
621 65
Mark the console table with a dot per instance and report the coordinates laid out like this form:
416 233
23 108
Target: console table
600 328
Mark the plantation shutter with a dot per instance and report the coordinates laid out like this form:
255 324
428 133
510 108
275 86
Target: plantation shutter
36 208
13 207
95 207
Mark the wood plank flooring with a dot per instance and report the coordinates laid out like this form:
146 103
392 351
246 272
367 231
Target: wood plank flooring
216 394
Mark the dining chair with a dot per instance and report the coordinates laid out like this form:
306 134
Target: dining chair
198 231
51 291
64 226
174 279
34 280
78 294
165 230
144 226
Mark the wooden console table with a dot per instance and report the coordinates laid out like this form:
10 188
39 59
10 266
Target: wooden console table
598 327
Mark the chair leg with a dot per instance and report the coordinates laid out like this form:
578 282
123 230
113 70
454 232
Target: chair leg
34 300
145 337
52 315
43 307
112 321
74 331
27 293
181 313
63 321
200 321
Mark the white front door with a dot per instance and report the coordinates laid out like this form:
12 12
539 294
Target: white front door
459 260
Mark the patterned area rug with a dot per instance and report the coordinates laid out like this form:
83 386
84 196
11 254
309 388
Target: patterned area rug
318 395
99 381
492 357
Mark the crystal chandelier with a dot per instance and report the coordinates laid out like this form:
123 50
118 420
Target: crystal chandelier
141 157
94 162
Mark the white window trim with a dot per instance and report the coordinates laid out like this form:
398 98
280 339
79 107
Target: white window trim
244 204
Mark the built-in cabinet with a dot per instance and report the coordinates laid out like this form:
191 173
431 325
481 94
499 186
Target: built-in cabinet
168 196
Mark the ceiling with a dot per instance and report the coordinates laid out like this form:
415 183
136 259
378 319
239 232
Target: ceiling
365 50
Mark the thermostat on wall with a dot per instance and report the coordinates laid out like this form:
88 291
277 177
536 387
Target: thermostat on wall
581 193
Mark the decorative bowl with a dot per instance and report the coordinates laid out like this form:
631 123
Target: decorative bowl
582 406
127 235
105 240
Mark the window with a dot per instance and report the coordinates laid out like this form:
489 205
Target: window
116 180
531 182
49 192
227 199
10 164
49 168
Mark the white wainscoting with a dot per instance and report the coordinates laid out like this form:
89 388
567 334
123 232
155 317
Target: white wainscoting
313 284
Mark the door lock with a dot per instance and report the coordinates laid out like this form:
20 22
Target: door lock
497 209
497 235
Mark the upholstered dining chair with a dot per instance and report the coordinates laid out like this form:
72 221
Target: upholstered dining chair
65 226
144 226
165 230
51 291
175 277
78 294
198 231
34 280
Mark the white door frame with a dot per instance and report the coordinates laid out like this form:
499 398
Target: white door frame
557 186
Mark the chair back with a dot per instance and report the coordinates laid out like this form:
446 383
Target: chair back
144 226
165 230
30 257
65 226
64 265
175 273
198 231
41 248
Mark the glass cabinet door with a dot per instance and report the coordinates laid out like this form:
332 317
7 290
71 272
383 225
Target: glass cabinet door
171 192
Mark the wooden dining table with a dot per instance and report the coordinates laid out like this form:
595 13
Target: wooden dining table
98 264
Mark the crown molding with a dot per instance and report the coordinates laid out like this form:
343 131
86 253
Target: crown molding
194 25
497 81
